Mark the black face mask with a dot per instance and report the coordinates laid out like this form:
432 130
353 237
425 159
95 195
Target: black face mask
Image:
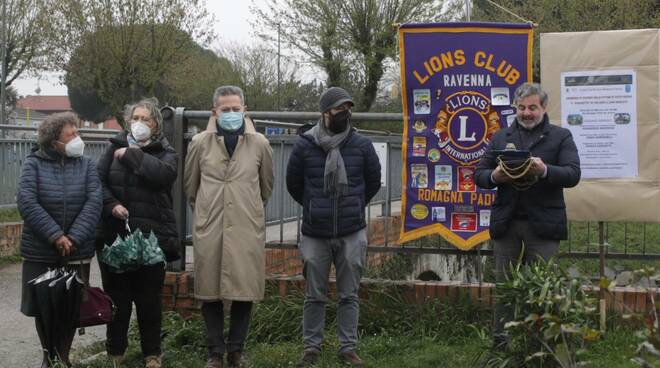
339 121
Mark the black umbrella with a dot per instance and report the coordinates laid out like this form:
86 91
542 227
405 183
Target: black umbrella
65 297
58 298
75 289
45 317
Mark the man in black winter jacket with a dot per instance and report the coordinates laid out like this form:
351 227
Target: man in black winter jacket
333 172
531 220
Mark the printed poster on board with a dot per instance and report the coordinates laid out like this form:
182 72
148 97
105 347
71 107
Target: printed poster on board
599 107
458 84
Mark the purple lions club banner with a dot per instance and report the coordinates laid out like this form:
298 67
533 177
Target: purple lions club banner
457 82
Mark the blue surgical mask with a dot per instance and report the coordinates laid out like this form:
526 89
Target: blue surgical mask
231 121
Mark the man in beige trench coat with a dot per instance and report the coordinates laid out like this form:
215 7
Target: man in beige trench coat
228 179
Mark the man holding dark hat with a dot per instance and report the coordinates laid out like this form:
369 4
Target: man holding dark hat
333 172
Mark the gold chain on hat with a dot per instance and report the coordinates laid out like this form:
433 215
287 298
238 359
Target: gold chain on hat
518 173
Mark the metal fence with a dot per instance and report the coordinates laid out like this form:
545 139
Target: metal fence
13 153
281 207
282 210
637 241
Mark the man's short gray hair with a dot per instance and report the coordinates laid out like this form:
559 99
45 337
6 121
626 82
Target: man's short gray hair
151 104
228 91
530 89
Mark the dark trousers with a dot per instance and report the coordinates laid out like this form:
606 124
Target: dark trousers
506 251
141 287
239 322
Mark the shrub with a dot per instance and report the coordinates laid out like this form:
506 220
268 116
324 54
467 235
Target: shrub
553 317
648 350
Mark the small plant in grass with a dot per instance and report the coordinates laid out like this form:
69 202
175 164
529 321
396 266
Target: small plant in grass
553 318
56 363
648 351
279 319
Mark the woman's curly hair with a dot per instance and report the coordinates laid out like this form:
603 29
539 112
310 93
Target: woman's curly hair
50 129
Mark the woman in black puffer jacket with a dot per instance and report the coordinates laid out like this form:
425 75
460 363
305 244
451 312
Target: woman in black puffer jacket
138 170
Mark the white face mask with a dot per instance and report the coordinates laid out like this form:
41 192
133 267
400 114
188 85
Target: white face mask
140 130
75 147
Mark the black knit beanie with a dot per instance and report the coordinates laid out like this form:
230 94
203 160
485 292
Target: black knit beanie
333 97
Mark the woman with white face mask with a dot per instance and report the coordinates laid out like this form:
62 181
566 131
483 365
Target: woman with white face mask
59 198
137 171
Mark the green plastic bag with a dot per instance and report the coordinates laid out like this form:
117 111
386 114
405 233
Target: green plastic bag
129 253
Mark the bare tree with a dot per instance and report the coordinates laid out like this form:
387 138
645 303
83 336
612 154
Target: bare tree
26 42
571 16
349 39
255 70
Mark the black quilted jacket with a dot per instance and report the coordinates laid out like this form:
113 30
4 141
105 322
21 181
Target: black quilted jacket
326 215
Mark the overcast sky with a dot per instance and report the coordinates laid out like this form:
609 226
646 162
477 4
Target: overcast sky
232 19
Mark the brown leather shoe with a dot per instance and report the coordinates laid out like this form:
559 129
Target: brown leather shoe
214 361
309 358
351 358
236 359
152 361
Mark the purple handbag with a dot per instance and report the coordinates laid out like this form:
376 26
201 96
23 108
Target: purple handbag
96 308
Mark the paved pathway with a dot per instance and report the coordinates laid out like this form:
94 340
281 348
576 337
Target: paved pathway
19 343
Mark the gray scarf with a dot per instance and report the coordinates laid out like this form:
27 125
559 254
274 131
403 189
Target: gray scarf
334 177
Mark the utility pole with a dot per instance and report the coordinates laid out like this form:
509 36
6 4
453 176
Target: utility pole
278 67
3 54
467 9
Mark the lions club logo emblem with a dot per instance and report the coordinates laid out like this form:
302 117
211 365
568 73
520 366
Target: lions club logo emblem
465 126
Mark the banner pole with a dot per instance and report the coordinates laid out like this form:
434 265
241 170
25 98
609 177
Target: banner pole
602 291
467 9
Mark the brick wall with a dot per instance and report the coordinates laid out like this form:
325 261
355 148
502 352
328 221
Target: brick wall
177 293
10 238
283 262
283 267
377 230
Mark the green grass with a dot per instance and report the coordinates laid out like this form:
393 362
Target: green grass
633 238
10 215
382 350
614 350
392 334
376 351
4 261
583 237
621 237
